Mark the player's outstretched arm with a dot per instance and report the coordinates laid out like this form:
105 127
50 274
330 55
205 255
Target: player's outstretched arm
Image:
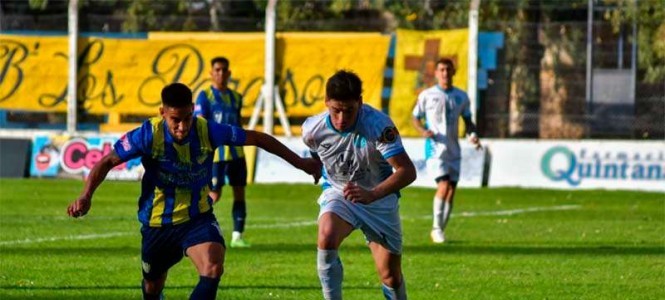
310 166
81 206
405 174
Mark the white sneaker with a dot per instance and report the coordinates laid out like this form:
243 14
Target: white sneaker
437 236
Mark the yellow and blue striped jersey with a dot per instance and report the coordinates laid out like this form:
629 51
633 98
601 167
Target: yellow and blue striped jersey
174 188
221 107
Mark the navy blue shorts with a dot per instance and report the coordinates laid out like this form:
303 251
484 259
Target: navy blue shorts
163 247
235 170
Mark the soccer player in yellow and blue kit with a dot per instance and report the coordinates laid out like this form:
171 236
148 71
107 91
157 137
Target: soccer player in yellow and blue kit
222 105
175 209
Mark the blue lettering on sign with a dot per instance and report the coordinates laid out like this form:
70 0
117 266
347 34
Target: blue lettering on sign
606 165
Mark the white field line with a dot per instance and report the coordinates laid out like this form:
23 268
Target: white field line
300 224
509 212
66 238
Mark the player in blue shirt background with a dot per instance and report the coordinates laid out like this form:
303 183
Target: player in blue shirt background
175 209
222 105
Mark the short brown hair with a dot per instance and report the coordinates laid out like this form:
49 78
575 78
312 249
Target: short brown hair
446 61
345 85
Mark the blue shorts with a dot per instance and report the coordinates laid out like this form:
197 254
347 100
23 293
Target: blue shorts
163 247
235 170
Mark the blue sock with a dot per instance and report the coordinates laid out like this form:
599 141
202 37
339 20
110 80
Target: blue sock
206 289
331 273
239 213
147 296
395 293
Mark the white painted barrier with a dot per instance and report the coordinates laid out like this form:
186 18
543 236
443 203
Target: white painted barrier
569 164
272 169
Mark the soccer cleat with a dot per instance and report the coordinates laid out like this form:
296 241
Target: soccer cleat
437 236
239 243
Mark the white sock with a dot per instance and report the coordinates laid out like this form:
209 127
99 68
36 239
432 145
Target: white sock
236 235
447 209
395 293
438 213
331 273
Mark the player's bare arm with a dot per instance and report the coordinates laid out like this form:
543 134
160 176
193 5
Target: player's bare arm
81 206
421 129
471 131
405 174
308 165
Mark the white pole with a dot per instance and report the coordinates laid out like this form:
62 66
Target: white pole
268 88
72 74
589 60
472 84
283 120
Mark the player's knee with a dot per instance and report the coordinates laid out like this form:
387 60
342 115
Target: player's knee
328 239
153 287
213 270
327 243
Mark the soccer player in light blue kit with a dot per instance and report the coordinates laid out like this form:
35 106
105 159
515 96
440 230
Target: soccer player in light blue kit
175 210
359 147
220 104
441 106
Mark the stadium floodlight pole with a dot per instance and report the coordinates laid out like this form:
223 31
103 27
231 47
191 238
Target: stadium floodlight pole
72 74
268 87
472 80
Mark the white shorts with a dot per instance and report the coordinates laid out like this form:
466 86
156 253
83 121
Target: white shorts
440 167
379 220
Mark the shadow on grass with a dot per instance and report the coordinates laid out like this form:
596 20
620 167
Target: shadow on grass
180 287
538 249
453 247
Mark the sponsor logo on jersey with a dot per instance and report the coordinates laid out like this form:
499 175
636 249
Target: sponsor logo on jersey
124 141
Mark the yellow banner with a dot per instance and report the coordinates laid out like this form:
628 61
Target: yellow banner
416 54
33 72
126 76
310 58
118 75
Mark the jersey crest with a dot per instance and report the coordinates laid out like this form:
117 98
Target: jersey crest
389 135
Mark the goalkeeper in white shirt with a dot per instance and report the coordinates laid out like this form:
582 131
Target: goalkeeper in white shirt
440 106
359 147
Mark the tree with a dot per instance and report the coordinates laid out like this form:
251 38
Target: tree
650 18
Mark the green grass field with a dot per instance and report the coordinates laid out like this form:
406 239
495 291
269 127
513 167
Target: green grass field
504 244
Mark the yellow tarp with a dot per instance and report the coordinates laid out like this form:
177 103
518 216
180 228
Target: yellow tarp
126 76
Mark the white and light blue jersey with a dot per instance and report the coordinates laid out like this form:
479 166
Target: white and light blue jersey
441 110
358 155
